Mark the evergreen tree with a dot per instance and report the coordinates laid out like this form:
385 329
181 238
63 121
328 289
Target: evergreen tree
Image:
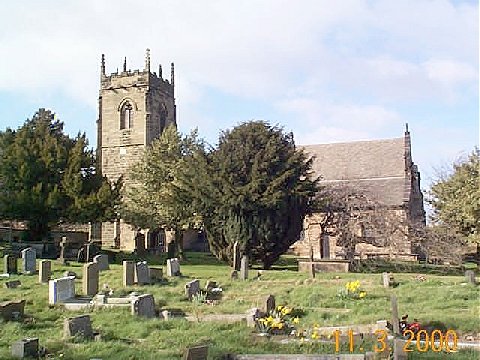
47 177
253 188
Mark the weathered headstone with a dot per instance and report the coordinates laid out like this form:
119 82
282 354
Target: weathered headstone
244 268
270 304
156 274
192 288
128 273
236 256
311 270
61 289
82 255
395 321
29 258
78 326
470 276
234 275
386 280
144 305
12 284
10 264
142 273
252 315
210 285
25 348
173 267
196 353
90 279
12 310
45 271
102 261
398 350
63 244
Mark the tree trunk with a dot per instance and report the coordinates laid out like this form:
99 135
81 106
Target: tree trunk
179 243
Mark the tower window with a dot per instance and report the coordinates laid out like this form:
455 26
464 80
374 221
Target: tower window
126 116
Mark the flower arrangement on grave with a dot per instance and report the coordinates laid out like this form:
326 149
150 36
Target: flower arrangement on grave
279 321
352 290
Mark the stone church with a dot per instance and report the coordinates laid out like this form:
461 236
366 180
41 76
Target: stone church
133 109
135 106
383 171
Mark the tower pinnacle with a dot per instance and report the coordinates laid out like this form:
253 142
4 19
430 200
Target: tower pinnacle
147 60
125 64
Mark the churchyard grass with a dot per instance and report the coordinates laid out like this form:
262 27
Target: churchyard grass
441 302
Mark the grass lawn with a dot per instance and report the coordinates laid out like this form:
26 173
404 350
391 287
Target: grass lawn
442 302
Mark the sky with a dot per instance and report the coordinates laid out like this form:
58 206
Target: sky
329 71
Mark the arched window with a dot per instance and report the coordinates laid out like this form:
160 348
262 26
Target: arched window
126 116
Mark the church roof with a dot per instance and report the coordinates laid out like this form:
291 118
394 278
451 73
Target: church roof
376 167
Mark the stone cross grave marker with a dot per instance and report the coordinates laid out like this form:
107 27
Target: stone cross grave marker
142 273
29 258
192 288
128 273
102 261
78 326
61 289
10 264
236 256
25 348
144 305
63 243
270 304
244 268
90 279
470 277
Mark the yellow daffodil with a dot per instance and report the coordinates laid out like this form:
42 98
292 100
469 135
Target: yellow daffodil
362 294
296 320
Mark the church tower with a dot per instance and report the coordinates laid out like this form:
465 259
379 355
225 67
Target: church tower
134 108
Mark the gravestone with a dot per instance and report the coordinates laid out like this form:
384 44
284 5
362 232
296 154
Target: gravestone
395 320
142 273
244 268
196 353
102 261
270 304
29 258
234 275
63 244
82 255
173 267
78 326
386 280
12 284
192 288
61 289
398 350
236 256
470 276
252 315
10 264
25 348
156 274
128 273
45 271
12 310
144 305
90 279
210 285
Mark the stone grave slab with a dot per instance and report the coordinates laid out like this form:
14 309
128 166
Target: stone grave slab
144 305
142 273
192 288
128 273
196 353
90 279
12 310
173 267
156 274
25 348
102 261
78 326
29 258
61 289
45 271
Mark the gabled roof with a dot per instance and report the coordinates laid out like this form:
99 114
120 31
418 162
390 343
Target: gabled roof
376 167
